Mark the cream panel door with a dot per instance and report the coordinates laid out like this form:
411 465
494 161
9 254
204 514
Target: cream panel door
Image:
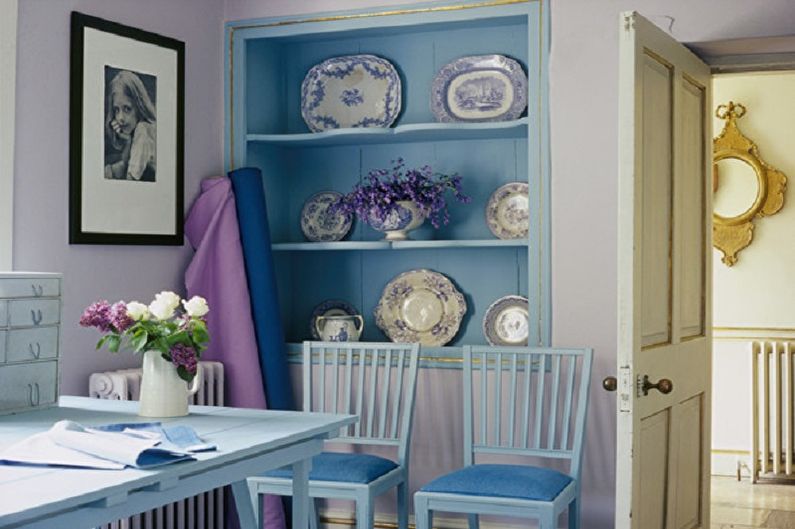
656 79
664 282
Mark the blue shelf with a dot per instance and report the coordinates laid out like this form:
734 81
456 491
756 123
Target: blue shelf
397 245
416 132
325 246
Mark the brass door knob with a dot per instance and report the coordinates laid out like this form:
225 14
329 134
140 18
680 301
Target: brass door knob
664 386
610 384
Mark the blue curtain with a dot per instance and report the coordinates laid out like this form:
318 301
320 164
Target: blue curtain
252 217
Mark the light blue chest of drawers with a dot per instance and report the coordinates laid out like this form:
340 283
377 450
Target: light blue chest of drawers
30 316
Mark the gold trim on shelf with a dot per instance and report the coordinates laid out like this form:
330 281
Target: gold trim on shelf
412 11
732 234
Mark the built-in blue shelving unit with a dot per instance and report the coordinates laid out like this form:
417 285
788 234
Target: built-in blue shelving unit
267 60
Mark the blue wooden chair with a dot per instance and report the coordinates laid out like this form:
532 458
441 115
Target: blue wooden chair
377 382
548 423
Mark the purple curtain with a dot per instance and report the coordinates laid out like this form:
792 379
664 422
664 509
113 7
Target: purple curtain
217 272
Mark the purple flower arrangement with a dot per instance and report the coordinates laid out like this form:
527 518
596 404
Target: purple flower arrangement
179 336
375 199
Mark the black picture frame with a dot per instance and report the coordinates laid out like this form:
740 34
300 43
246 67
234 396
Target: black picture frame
80 135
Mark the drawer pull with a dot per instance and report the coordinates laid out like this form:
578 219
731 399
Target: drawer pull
37 353
36 316
38 290
38 394
31 400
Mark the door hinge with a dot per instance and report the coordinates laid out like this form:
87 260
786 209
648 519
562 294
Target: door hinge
625 388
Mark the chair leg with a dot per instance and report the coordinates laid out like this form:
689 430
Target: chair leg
574 514
314 520
547 520
403 505
423 517
474 522
365 512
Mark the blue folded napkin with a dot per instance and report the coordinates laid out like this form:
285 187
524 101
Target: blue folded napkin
178 437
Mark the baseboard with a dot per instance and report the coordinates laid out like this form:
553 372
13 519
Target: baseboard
727 462
341 519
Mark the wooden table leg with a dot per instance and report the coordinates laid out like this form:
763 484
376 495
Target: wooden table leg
301 493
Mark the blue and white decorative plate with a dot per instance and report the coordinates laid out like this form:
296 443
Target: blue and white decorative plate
330 307
507 321
420 306
351 91
479 88
321 225
508 211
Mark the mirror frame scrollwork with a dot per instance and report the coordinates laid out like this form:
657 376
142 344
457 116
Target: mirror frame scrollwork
732 234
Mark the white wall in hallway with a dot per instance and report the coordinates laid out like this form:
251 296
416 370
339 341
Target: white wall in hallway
756 293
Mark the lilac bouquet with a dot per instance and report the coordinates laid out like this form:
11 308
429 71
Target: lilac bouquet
375 199
179 336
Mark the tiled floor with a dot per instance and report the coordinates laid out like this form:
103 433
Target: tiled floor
740 505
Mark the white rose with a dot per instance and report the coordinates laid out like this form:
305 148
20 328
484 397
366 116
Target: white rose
167 299
196 307
137 311
161 310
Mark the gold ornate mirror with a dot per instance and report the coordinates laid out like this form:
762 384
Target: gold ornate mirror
744 186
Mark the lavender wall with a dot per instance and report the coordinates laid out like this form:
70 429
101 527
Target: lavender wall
42 161
584 157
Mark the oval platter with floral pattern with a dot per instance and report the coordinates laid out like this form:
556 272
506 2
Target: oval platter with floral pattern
351 91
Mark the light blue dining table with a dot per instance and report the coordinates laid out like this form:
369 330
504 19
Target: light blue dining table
249 443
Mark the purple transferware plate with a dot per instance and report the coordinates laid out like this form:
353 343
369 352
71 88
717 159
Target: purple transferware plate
479 88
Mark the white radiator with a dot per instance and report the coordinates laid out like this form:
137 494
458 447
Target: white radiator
772 410
204 511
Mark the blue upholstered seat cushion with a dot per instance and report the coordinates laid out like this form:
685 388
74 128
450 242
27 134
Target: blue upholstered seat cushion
349 468
503 481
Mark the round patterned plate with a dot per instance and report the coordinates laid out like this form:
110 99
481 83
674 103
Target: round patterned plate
330 307
420 306
507 321
508 211
318 224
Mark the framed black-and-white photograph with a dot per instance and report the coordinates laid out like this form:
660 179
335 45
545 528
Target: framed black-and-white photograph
126 137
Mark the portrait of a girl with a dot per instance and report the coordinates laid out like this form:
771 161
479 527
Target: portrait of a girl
130 126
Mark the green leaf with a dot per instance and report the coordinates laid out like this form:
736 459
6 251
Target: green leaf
161 344
184 374
200 334
179 337
138 341
101 342
114 341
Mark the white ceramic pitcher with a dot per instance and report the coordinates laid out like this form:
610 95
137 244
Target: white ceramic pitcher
163 393
339 328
